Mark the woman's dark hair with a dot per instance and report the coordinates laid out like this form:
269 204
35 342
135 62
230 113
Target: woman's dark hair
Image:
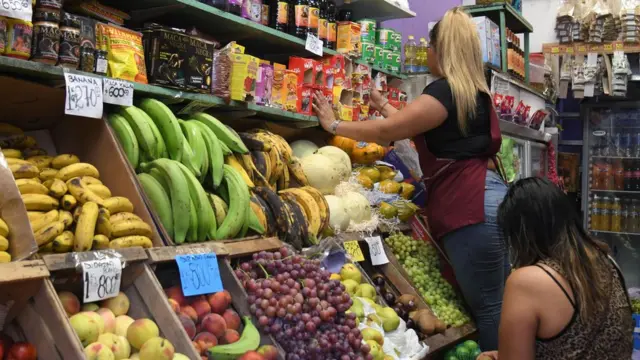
539 222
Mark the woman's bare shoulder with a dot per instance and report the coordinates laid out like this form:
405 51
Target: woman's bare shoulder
531 279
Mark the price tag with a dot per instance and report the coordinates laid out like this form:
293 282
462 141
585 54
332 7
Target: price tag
376 249
570 50
101 279
117 92
582 48
353 249
619 46
555 50
83 95
17 9
195 107
608 47
199 274
314 44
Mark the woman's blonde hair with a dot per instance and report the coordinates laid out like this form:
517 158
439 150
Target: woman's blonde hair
457 45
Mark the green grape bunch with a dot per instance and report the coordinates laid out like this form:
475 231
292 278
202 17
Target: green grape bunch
421 262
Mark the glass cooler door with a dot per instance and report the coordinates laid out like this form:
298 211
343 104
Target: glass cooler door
512 155
537 160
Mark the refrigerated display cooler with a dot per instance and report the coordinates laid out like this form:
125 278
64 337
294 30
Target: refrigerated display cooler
527 148
611 177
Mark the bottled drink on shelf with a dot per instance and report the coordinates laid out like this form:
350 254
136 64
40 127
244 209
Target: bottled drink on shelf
279 15
606 178
596 212
618 174
636 144
626 144
605 217
314 16
628 175
510 54
410 63
635 179
616 215
322 23
596 177
617 144
299 18
421 55
624 215
332 25
634 218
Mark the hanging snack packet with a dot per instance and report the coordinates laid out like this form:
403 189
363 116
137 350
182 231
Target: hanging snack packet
125 52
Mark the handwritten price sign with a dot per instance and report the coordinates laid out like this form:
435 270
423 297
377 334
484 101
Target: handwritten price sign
101 279
199 274
314 44
17 9
118 92
376 250
83 95
353 249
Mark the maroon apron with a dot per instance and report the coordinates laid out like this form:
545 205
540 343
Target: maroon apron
455 188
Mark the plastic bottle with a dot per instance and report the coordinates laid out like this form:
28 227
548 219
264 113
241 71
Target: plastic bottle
279 15
421 55
314 17
299 19
323 23
332 26
410 65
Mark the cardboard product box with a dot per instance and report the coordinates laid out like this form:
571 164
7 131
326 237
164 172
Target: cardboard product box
489 33
349 41
278 94
355 115
394 93
337 62
244 72
290 89
305 99
328 94
264 83
305 69
320 78
329 76
364 112
343 103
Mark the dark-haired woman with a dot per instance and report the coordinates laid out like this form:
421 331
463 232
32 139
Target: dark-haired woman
567 299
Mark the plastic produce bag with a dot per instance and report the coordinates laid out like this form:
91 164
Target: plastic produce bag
409 156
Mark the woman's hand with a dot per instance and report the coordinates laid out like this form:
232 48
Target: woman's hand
489 355
376 99
323 110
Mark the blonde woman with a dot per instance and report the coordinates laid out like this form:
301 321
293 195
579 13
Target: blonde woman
457 136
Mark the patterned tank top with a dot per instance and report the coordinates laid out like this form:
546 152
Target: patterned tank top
606 336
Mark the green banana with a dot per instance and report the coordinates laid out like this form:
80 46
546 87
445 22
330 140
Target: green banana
216 156
192 234
179 195
188 157
225 149
249 340
206 216
194 139
126 138
161 147
160 201
226 135
167 125
238 204
142 128
156 174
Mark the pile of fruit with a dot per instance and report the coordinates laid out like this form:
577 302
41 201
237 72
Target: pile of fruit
215 328
69 208
384 179
5 257
635 306
11 350
296 302
421 262
468 350
107 332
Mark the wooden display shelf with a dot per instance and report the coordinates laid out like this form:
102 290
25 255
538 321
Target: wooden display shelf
66 262
586 48
233 248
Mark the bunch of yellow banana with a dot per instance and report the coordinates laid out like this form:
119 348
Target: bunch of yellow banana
69 208
5 257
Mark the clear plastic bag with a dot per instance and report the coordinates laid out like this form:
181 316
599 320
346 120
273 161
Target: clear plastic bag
409 156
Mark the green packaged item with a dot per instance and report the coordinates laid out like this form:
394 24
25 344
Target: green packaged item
378 56
395 41
383 37
367 30
368 52
386 58
393 61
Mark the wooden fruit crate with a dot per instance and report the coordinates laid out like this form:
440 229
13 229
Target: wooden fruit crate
162 260
146 297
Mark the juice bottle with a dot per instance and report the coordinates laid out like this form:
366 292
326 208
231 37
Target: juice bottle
628 174
618 175
410 55
300 23
634 219
421 55
279 15
606 175
624 215
596 168
314 17
596 212
322 23
332 25
616 215
234 7
605 219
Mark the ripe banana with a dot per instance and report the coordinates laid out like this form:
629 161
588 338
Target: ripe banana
14 161
5 257
141 125
12 153
231 160
63 243
46 174
41 161
257 220
259 162
295 169
159 199
44 220
76 213
179 195
90 180
100 242
309 205
167 124
118 204
126 138
285 179
206 217
222 132
29 186
253 143
4 243
82 193
85 228
76 170
238 204
103 224
66 217
271 227
130 228
276 206
68 202
4 228
39 202
219 207
122 216
33 151
300 223
33 215
57 188
24 171
131 241
247 164
322 205
46 235
99 190
11 136
64 160
249 340
214 151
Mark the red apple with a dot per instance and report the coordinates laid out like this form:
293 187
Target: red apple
251 355
22 351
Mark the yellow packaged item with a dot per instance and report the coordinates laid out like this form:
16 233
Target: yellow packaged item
349 41
19 35
125 52
291 90
278 95
244 72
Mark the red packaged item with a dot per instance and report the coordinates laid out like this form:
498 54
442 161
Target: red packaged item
525 115
305 99
537 119
337 62
517 116
394 94
329 76
305 68
328 94
497 101
320 78
356 112
506 108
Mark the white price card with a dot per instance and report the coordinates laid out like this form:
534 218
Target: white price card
17 9
314 44
376 250
83 95
117 92
101 279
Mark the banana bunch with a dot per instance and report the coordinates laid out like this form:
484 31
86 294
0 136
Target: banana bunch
69 208
5 257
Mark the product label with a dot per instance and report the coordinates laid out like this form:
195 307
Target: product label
283 13
332 32
376 250
101 279
199 274
314 15
322 28
353 249
302 16
83 96
117 92
265 15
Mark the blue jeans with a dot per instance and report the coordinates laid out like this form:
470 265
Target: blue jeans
480 261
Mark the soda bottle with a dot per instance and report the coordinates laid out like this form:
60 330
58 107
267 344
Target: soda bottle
607 175
299 18
636 145
628 175
410 55
617 144
596 177
322 23
616 215
314 16
626 144
332 25
279 15
635 180
421 55
618 175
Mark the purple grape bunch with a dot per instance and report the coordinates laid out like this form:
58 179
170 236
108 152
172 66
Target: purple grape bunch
294 300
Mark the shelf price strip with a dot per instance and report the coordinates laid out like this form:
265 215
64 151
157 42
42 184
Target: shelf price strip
101 279
353 249
199 274
117 92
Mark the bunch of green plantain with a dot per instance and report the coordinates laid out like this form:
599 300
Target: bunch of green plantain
68 206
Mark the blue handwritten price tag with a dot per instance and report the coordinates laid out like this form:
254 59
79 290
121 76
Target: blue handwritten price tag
199 274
